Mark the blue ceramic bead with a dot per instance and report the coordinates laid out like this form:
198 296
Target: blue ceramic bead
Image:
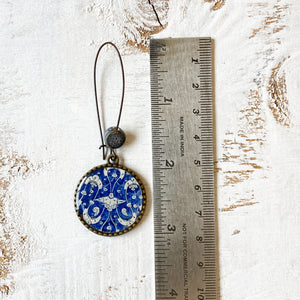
110 200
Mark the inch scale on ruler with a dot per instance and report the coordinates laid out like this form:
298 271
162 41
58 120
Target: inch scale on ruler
183 168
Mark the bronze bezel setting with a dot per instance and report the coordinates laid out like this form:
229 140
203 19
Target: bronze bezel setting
138 219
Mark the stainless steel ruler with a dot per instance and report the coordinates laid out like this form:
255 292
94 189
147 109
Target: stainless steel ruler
183 168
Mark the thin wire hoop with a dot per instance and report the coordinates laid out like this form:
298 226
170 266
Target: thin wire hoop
96 96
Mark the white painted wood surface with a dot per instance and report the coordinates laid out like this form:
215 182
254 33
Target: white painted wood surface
49 138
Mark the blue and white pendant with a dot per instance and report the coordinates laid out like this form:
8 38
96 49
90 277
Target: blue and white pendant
110 200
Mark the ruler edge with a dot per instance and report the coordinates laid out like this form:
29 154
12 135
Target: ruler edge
214 150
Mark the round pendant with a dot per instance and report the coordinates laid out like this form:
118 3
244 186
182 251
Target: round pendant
110 200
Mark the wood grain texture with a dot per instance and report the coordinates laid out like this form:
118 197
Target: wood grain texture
135 20
278 102
49 139
217 4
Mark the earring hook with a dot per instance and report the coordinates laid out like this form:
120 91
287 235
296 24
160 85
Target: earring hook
96 97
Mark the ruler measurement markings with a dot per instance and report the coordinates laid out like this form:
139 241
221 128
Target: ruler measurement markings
159 59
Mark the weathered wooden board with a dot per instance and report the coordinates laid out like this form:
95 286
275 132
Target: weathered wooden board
49 138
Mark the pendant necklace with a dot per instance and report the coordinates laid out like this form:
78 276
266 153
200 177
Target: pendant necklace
110 199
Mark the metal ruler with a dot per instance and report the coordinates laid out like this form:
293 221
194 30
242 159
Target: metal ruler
183 168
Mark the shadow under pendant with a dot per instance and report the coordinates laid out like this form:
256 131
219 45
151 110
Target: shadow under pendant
110 199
